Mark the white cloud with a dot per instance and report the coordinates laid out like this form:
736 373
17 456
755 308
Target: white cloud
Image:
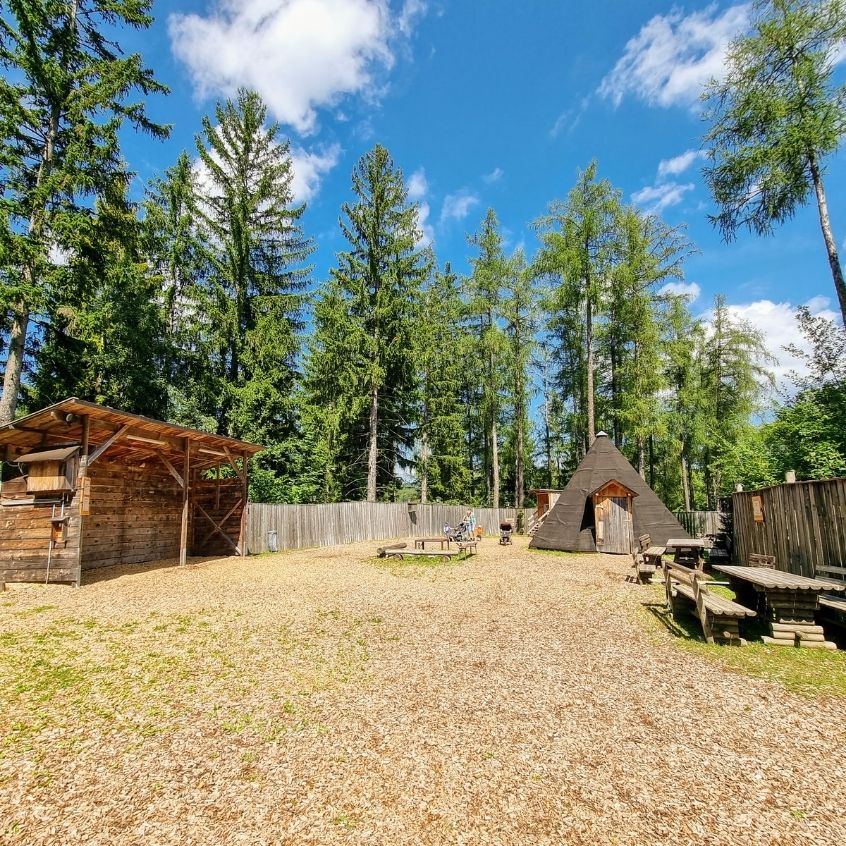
457 206
689 290
655 198
679 164
310 168
418 190
569 119
777 322
417 187
674 55
427 232
494 176
300 55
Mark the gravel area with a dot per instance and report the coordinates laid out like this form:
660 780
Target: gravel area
325 697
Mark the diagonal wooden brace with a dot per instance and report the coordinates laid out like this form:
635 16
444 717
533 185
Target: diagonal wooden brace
217 528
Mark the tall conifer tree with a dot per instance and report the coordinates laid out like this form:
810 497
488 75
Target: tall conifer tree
65 92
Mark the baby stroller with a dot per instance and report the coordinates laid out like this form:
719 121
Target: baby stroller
460 533
505 530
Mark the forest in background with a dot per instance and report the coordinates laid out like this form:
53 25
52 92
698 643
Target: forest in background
394 378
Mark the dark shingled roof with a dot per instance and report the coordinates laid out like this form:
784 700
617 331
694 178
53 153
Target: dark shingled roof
569 525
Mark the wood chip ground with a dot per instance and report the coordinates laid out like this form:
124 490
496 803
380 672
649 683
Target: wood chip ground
326 697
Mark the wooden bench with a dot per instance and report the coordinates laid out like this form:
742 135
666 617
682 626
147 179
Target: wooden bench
832 608
421 553
647 559
382 551
758 560
720 617
468 547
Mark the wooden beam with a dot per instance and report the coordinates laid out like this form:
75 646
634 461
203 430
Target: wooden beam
183 535
223 521
80 489
240 473
107 443
242 535
217 528
172 470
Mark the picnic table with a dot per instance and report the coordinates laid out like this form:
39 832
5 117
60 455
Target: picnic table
688 551
791 602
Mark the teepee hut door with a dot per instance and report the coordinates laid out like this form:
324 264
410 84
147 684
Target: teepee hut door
612 509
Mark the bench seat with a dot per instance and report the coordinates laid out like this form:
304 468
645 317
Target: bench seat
717 604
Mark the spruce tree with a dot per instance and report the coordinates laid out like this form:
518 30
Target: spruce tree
519 313
65 92
490 268
253 296
364 332
441 343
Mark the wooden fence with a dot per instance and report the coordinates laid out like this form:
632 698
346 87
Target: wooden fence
302 526
700 523
802 523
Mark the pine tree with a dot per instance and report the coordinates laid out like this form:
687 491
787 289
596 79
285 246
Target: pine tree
579 240
441 343
519 313
65 92
490 269
776 116
364 332
105 338
253 299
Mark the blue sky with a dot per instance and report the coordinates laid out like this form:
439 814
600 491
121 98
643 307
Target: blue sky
490 104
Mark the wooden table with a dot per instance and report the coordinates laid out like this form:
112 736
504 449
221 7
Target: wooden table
687 551
791 601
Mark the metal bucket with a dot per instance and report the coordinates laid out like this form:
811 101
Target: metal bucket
273 540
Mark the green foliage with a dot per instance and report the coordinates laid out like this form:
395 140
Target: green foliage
361 368
442 341
252 299
65 92
776 115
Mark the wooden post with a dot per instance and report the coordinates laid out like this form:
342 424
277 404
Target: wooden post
242 536
738 487
790 477
80 491
186 487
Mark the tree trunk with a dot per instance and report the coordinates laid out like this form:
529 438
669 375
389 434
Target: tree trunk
830 244
651 461
494 466
14 366
591 423
520 468
615 399
424 468
685 480
641 457
372 446
547 439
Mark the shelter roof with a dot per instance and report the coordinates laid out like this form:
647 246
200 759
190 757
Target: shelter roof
61 454
130 434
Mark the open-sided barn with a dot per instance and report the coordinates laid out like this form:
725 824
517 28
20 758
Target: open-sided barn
90 486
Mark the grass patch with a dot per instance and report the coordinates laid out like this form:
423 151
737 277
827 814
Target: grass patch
809 672
557 553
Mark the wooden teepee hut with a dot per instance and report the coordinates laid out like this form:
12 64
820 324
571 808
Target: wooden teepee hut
605 507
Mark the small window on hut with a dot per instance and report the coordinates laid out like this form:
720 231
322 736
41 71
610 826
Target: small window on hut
52 471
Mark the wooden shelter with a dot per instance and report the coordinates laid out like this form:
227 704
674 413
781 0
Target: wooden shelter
605 506
545 499
90 486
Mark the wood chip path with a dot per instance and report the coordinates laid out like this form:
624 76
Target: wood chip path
323 697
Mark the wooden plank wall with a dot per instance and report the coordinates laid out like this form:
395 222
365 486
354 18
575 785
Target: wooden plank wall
804 525
136 515
25 541
303 526
700 523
